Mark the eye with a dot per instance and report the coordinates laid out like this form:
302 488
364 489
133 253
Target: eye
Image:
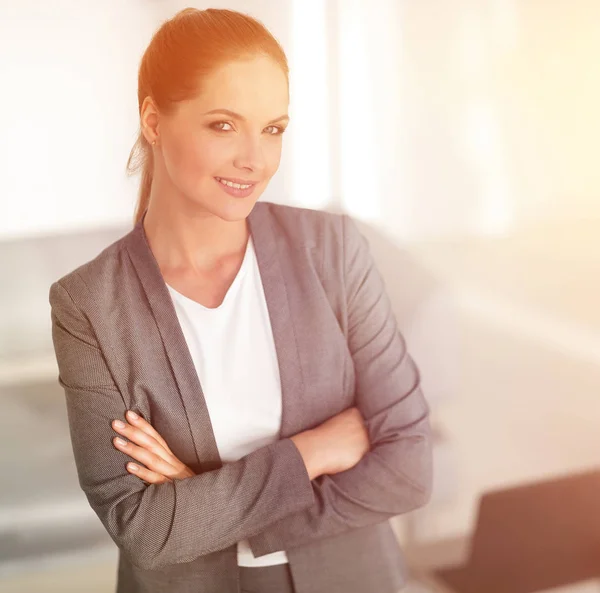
218 123
278 130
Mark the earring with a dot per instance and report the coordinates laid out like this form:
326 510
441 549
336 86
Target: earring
154 143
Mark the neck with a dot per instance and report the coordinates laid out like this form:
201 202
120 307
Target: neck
196 241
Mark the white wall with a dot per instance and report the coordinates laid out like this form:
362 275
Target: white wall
68 101
480 115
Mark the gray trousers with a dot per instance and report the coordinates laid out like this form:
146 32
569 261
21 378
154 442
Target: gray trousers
266 579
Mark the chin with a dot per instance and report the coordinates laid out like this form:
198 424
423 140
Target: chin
234 211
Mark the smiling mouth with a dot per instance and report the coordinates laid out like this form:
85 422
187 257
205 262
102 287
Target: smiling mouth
236 185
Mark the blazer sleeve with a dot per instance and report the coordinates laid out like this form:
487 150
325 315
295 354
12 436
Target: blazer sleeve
395 476
162 524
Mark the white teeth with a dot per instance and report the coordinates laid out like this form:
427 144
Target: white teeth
230 184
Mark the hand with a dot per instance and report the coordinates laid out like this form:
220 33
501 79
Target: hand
149 448
344 440
334 446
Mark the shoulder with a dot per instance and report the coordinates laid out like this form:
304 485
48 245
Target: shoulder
313 228
307 223
95 272
335 234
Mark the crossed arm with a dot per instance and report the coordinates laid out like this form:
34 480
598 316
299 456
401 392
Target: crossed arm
267 496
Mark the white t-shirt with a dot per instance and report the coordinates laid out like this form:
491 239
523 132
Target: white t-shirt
234 354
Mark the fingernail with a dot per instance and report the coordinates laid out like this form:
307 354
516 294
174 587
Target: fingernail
133 467
120 441
119 424
132 415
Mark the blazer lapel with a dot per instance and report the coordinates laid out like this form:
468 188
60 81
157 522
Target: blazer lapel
269 254
180 359
276 258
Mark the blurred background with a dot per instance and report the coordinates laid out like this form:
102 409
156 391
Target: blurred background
462 135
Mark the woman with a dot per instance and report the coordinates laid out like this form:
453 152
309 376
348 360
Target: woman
280 422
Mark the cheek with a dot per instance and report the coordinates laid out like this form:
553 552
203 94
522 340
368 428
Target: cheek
190 157
273 157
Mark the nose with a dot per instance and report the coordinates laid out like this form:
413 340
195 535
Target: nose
250 155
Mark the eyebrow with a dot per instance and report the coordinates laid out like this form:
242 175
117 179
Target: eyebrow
241 117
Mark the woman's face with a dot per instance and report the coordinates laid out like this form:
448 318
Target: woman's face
198 147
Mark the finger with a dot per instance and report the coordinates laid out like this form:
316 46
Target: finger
152 461
138 436
141 423
146 474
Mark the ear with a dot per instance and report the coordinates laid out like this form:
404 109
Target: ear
149 117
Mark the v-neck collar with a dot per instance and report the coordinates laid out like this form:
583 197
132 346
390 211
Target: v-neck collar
231 291
273 256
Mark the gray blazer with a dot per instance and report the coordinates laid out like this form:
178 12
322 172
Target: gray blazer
119 346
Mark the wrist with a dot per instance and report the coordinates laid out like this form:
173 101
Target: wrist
306 442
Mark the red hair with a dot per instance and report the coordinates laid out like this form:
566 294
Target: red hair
183 51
